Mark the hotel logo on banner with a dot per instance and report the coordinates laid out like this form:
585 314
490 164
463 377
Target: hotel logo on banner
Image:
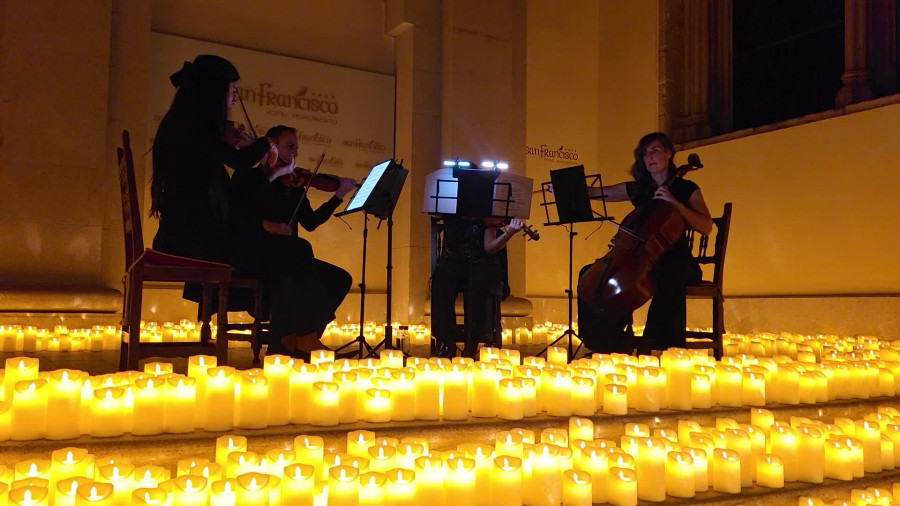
317 138
265 95
371 146
562 154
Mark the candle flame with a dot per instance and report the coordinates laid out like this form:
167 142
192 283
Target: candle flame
227 487
94 495
187 483
32 469
27 496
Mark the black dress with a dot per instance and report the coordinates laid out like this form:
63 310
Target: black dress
300 292
463 261
667 314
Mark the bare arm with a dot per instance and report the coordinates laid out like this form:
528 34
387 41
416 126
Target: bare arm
696 214
614 193
493 242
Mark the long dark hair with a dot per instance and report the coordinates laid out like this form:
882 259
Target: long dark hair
639 170
199 99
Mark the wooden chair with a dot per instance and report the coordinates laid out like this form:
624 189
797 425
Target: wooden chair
150 265
711 289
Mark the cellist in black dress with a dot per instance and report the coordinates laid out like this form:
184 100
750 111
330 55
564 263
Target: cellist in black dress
676 267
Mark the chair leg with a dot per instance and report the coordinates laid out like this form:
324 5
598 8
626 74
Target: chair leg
124 327
222 326
205 315
255 338
134 321
718 326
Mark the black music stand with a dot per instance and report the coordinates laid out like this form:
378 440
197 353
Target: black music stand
573 205
377 195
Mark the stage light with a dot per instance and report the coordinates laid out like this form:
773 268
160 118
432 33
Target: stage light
449 163
464 163
495 164
487 164
502 165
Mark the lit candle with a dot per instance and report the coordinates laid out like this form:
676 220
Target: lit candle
838 460
581 428
121 477
583 397
510 399
311 451
377 407
622 487
239 463
372 489
557 383
64 401
595 461
348 400
382 458
197 367
545 475
277 369
302 378
769 471
506 482
70 462
701 391
276 460
227 444
753 390
96 494
219 399
147 497
180 396
869 434
298 485
650 466
190 490
728 385
726 467
325 409
576 488
648 390
108 412
429 485
255 488
29 410
428 392
16 370
29 496
483 399
148 406
811 445
701 468
66 490
401 487
460 479
223 493
783 444
615 399
678 369
252 399
738 440
342 486
680 474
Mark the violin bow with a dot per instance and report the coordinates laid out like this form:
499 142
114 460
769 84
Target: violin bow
303 194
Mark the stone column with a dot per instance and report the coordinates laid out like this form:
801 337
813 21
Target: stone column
857 86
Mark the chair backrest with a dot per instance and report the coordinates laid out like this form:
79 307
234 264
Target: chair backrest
717 258
131 213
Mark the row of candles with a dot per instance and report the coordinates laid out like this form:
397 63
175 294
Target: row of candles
874 496
17 338
66 403
569 466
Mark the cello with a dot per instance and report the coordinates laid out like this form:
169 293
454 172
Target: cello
623 280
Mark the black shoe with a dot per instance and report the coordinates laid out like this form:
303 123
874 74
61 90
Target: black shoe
445 350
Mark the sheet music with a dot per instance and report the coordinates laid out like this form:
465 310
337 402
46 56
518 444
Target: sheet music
365 189
440 183
519 191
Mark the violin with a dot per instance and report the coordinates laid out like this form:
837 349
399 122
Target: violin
303 177
527 231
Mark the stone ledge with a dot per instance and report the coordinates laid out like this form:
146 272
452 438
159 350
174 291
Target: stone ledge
513 306
60 300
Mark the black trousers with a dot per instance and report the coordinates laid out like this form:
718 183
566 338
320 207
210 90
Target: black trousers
666 316
300 292
453 276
